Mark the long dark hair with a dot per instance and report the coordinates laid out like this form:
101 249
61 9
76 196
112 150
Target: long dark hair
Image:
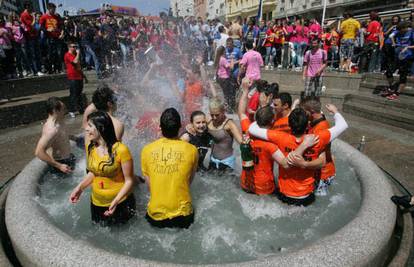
219 53
105 127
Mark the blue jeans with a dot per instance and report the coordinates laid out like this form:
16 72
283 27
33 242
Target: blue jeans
270 53
54 55
33 54
125 49
90 54
21 57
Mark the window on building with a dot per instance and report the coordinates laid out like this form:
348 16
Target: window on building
291 3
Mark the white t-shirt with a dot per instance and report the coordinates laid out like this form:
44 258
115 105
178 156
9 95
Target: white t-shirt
222 40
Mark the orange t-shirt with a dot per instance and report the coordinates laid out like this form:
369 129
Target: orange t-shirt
192 97
297 182
282 124
260 180
328 170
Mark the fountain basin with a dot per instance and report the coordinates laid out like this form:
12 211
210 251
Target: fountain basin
363 241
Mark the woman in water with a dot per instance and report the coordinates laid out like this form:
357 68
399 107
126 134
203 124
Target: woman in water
201 139
223 131
110 171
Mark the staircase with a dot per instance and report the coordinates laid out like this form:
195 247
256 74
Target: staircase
364 103
26 98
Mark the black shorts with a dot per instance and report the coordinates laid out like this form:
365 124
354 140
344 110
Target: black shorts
123 212
177 222
295 201
69 161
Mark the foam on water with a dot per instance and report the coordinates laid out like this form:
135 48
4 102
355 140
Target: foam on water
230 225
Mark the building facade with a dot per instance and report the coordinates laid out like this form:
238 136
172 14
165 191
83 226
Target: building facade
182 8
216 9
334 8
200 8
249 8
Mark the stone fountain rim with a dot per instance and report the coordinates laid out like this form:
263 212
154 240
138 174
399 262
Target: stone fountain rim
361 242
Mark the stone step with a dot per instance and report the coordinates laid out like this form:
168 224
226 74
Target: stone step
27 109
387 116
16 88
371 85
405 104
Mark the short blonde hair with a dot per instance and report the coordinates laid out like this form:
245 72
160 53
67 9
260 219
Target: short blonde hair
216 103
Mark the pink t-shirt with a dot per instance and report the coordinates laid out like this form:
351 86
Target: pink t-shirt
293 37
223 71
314 61
252 60
316 28
302 35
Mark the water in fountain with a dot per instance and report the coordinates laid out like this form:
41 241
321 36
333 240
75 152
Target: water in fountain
230 225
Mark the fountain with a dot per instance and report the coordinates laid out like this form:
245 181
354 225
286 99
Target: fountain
352 226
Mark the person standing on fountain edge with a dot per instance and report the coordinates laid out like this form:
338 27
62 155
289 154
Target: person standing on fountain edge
168 166
250 64
110 172
54 136
75 78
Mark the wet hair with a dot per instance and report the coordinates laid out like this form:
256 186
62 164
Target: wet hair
105 127
170 123
311 104
261 85
216 103
53 104
273 89
102 96
285 98
264 116
298 121
249 45
195 114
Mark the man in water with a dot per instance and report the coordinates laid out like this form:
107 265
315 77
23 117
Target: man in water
318 122
53 146
168 165
104 99
282 105
296 185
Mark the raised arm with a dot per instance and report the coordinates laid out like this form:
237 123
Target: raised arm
340 123
242 108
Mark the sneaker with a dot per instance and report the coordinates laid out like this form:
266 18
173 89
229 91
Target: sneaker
266 67
392 97
72 114
210 63
402 201
271 67
40 73
386 92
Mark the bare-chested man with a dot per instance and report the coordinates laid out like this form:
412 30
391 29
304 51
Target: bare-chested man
53 146
104 99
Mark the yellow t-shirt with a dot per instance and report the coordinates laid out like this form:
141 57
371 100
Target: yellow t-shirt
169 164
349 28
108 179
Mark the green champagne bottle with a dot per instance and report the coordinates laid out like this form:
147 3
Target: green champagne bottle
246 154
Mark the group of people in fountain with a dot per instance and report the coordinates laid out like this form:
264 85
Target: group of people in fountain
295 136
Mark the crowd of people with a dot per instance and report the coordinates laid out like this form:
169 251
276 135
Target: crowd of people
35 44
273 128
